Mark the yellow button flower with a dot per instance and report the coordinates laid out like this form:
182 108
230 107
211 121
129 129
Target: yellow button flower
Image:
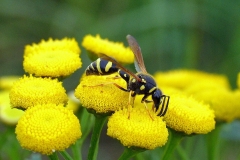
139 130
202 85
185 114
100 94
183 78
116 50
225 103
6 82
54 58
29 91
48 128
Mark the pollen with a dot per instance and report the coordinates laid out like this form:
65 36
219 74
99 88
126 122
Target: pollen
100 94
48 128
185 114
29 91
96 45
139 130
52 58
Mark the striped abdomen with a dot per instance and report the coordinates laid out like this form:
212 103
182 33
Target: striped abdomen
101 67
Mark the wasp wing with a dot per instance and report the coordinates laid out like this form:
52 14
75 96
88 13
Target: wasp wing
103 56
138 62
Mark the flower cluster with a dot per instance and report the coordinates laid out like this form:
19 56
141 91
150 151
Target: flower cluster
210 89
136 126
197 99
47 124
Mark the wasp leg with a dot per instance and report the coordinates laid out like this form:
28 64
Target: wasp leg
103 84
145 101
115 77
131 98
145 104
164 105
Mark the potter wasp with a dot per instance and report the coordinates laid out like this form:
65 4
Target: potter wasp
140 83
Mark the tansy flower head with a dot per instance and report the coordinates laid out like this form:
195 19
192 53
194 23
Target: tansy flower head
48 128
187 115
139 130
116 50
29 91
54 58
6 82
100 94
225 103
183 78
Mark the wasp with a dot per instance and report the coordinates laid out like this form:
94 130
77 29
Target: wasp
141 83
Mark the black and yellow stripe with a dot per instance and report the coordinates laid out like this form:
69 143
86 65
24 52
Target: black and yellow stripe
101 67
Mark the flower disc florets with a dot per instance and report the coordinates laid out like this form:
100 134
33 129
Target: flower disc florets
52 58
96 45
30 91
48 128
185 114
138 130
100 94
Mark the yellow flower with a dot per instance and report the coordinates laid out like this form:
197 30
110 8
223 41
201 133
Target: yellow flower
116 50
185 114
29 91
100 94
48 128
139 130
6 82
202 85
183 78
225 103
54 58
8 115
4 96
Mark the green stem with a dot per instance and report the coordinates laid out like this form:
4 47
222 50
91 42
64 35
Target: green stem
53 156
173 141
182 154
130 152
66 155
212 139
99 123
76 149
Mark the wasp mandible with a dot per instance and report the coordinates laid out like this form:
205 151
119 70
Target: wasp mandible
140 83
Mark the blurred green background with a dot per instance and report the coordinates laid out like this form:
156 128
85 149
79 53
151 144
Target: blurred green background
196 34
